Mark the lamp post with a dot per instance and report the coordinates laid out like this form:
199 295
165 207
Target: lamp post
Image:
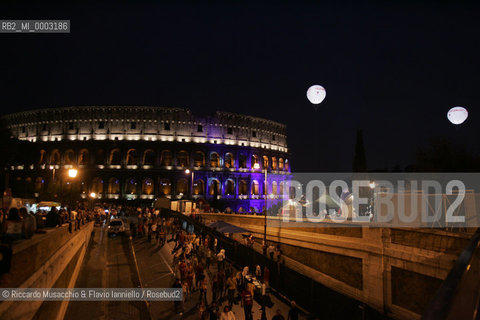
372 186
72 173
92 196
187 171
256 166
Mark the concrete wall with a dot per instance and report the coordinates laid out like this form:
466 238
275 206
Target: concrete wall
395 271
45 261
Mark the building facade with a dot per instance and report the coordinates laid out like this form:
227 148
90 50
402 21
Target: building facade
125 153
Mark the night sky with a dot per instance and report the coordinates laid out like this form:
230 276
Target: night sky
393 70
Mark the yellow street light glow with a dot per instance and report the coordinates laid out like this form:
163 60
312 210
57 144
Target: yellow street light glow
92 195
72 173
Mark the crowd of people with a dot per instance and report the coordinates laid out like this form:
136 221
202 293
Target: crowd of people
200 264
207 279
19 223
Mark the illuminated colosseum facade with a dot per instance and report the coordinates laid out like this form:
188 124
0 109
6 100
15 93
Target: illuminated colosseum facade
126 153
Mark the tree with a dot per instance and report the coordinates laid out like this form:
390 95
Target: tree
359 159
444 155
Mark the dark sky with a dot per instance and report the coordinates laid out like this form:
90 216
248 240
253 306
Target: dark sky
393 70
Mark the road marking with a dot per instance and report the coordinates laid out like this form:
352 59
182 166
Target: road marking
105 270
161 277
168 264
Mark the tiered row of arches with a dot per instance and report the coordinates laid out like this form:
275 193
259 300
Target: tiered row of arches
163 158
229 187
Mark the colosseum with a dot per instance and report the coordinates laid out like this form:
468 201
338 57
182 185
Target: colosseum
139 154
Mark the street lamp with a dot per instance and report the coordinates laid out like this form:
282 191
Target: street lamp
372 186
187 171
92 196
72 173
256 166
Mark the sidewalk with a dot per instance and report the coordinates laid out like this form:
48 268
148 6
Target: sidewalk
155 264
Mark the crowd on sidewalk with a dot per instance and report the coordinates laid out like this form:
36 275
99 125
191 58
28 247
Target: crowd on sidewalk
205 276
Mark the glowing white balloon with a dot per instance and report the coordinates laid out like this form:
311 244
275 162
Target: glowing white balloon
457 115
316 94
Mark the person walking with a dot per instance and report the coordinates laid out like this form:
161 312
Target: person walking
29 224
203 292
208 258
231 286
227 314
271 251
215 287
258 273
13 226
221 259
266 276
247 304
178 304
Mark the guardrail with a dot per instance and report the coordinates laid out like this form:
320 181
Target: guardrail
459 295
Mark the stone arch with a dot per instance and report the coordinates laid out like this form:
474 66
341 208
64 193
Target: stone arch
214 183
83 157
274 188
148 157
55 157
229 160
214 160
255 188
265 161
115 157
165 186
113 186
132 157
182 186
182 159
147 186
274 163
199 159
97 185
229 187
131 186
254 159
242 161
42 157
39 184
100 157
69 157
199 187
166 158
242 187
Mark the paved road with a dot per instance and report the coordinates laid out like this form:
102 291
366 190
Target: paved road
155 264
108 263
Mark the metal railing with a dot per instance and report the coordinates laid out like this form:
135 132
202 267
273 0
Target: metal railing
459 295
308 294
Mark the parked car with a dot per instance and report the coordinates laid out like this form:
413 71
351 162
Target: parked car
115 227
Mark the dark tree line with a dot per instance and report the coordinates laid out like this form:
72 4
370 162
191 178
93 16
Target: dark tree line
441 154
